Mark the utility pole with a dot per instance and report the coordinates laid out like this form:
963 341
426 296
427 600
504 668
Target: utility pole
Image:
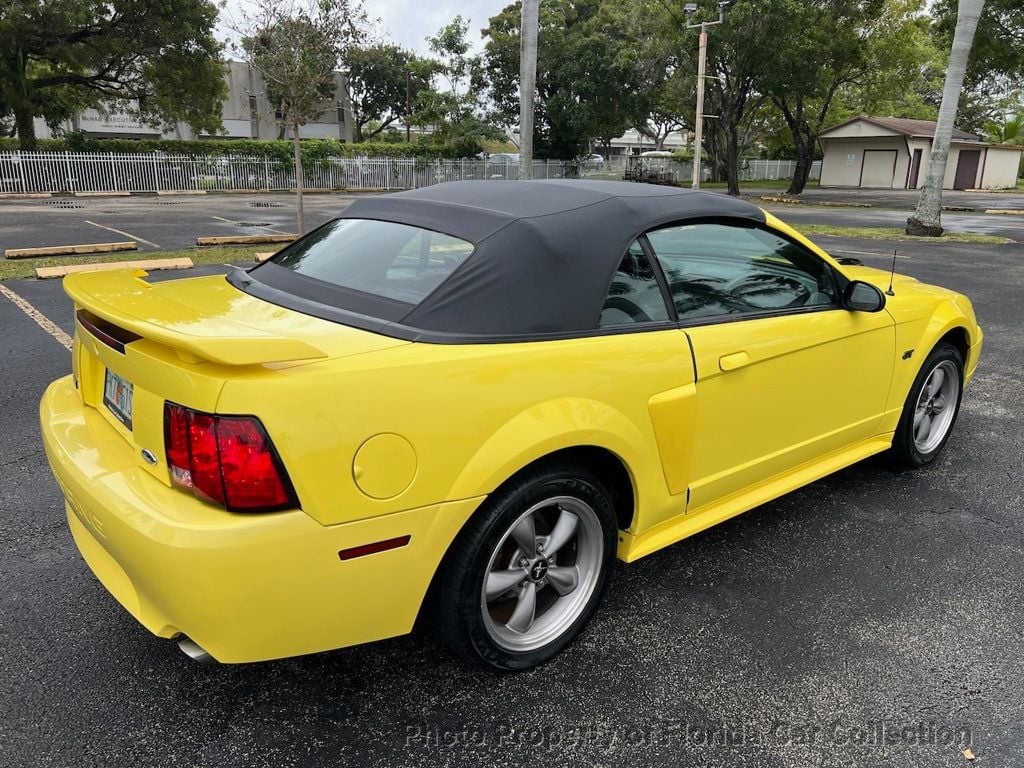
702 56
527 84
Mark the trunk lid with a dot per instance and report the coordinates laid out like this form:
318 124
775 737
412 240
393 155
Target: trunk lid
139 344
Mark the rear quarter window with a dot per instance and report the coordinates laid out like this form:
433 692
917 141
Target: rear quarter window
391 261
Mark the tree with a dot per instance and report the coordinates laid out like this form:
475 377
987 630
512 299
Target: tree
451 103
587 84
1009 130
382 82
297 47
996 64
928 216
155 58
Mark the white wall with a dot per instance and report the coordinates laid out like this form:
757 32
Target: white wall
1001 166
844 157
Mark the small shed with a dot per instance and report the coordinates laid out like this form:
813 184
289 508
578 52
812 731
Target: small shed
893 152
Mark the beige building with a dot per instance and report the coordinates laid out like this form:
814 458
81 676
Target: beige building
892 153
247 114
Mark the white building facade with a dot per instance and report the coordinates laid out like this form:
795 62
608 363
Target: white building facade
247 114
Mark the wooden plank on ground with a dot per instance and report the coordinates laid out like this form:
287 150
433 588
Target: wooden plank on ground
245 239
44 273
70 250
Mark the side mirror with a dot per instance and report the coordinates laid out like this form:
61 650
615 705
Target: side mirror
863 297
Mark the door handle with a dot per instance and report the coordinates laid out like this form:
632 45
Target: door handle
733 361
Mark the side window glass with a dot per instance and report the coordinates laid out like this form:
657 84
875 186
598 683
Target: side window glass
718 269
634 295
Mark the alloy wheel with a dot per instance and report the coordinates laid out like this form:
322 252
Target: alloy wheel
542 573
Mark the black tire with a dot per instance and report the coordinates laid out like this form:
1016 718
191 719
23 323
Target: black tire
457 602
906 453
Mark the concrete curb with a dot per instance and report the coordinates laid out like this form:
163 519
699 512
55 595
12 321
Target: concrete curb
263 256
24 195
70 250
1006 211
165 193
47 273
245 239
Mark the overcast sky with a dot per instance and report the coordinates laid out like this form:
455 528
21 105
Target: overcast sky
408 22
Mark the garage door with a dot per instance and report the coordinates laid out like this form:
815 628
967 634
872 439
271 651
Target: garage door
878 168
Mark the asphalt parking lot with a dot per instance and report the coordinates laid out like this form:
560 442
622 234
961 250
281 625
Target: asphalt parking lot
173 222
155 223
873 618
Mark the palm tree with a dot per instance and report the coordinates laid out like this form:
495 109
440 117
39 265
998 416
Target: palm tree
927 219
1009 131
527 84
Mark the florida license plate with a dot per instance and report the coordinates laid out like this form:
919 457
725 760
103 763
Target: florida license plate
117 396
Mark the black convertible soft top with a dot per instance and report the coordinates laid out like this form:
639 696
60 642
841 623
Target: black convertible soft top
544 254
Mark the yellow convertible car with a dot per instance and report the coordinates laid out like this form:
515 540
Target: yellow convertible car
459 405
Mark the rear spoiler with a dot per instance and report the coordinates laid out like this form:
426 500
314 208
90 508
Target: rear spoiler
124 299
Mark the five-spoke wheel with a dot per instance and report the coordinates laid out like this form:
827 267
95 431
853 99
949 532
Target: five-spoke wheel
931 407
527 572
542 573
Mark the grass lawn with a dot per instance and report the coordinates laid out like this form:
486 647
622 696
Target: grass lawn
15 268
895 233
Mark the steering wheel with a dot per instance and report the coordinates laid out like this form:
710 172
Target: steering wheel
622 304
768 285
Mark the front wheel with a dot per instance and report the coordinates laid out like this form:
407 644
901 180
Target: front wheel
931 408
526 575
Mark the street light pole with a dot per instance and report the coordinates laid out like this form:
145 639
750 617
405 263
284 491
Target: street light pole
698 127
702 56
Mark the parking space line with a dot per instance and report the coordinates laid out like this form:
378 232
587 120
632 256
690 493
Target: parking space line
38 317
121 232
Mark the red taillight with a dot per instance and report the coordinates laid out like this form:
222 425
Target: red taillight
228 460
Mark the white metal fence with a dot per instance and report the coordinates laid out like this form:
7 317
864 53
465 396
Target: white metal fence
56 172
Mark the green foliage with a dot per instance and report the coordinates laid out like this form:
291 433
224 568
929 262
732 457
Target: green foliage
313 150
378 78
450 107
1009 130
155 58
591 82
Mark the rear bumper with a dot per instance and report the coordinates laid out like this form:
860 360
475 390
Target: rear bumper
244 587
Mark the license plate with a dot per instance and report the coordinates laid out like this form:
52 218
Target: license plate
117 396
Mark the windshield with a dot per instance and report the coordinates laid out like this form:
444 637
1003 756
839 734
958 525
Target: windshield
377 258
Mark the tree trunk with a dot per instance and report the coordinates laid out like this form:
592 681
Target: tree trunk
803 141
732 159
24 123
527 84
927 219
299 181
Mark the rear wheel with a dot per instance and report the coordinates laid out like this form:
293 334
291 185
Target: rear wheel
528 572
931 408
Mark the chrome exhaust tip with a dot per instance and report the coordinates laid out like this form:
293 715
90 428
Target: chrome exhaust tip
193 651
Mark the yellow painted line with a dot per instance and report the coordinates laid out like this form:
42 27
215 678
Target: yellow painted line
1007 211
38 317
45 273
69 250
121 232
